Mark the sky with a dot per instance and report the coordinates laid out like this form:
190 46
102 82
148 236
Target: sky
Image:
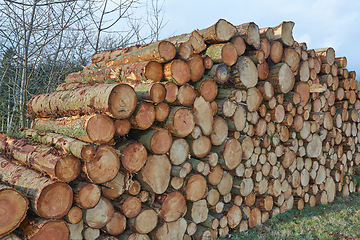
319 23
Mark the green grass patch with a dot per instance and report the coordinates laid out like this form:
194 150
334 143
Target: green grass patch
337 220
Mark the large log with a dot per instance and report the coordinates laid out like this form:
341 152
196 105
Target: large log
116 100
180 122
250 33
42 192
282 78
65 168
283 32
230 153
96 128
222 53
171 207
13 207
77 148
221 31
86 195
37 228
177 71
244 73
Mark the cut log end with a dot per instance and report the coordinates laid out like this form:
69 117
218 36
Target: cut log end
133 157
53 229
229 54
68 168
157 93
167 50
153 71
224 30
122 101
184 122
161 142
100 129
88 196
55 200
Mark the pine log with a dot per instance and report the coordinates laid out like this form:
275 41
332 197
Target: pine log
304 71
208 63
242 187
257 56
74 215
11 236
221 31
199 147
197 211
222 53
38 228
90 233
250 33
203 115
276 51
291 58
281 77
177 71
283 32
170 207
179 151
76 230
267 33
244 73
98 216
194 38
139 71
42 192
220 131
86 195
207 88
327 55
225 185
143 116
220 73
162 111
197 68
171 91
156 140
96 128
170 230
263 70
130 235
77 148
186 95
117 224
239 44
145 222
341 62
202 233
195 187
180 122
65 168
13 207
122 127
253 99
116 100
156 173
129 205
266 89
230 153
115 187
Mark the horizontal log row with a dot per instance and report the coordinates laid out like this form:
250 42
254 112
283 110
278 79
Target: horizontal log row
191 137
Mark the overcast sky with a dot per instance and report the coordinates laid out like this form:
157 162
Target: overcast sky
319 23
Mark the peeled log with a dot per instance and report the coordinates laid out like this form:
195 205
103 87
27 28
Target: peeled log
221 31
116 100
156 173
250 33
37 228
203 115
13 207
180 122
282 78
77 148
49 199
283 32
98 216
44 159
245 73
96 129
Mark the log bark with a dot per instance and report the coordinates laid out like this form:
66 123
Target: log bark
77 148
37 228
96 128
42 192
43 159
116 100
14 206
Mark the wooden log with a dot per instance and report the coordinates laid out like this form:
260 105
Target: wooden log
197 68
199 147
179 151
207 88
197 211
253 99
195 187
242 187
115 187
77 148
327 55
203 115
38 228
143 116
98 216
257 56
117 224
116 100
220 131
341 62
266 89
170 230
225 185
122 127
156 173
129 205
65 168
250 33
156 140
14 206
42 192
281 77
283 32
145 222
162 111
96 128
220 73
263 70
221 31
239 44
222 53
244 73
131 235
194 38
291 58
74 215
267 33
230 153
11 236
276 51
76 230
177 71
86 195
180 122
171 207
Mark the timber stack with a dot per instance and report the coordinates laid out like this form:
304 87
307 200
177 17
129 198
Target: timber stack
192 137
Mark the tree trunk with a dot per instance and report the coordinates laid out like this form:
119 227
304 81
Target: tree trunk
222 53
194 38
42 192
170 230
116 100
207 88
14 206
171 207
230 153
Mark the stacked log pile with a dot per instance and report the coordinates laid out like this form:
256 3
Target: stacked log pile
191 137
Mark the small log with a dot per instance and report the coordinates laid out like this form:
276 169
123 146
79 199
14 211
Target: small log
13 209
220 131
253 99
267 33
98 216
116 100
207 88
199 147
129 205
327 55
171 207
170 230
221 31
250 33
179 151
115 187
131 235
177 71
263 70
220 73
74 215
122 127
230 153
38 228
291 58
225 185
194 38
276 51
341 62
162 111
96 129
171 91
117 224
76 230
197 211
145 222
239 44
203 115
197 68
283 32
195 187
186 95
86 195
222 53
42 192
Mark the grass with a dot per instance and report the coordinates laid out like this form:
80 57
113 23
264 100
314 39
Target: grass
337 220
